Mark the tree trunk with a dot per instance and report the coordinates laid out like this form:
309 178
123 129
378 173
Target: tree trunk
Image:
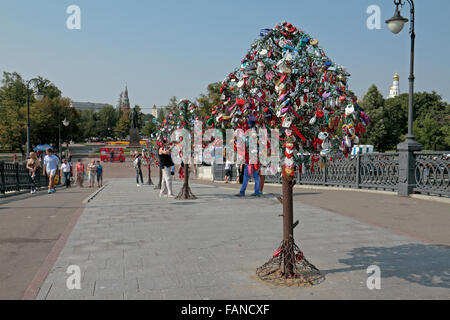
158 186
186 193
288 226
150 182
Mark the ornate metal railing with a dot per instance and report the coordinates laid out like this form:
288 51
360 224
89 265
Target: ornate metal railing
379 171
375 171
15 177
432 173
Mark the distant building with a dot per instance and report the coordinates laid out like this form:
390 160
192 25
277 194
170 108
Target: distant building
155 111
88 105
124 101
395 89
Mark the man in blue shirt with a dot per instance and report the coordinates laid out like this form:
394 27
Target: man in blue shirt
50 169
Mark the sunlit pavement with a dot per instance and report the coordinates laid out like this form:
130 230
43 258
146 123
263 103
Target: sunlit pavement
131 244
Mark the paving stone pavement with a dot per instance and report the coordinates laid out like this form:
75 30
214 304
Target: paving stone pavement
131 244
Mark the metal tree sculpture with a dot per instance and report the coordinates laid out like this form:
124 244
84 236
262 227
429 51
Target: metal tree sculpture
186 117
150 150
287 82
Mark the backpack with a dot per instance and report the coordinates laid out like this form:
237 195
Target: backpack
136 163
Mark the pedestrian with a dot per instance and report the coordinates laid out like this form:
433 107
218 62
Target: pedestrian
112 155
227 171
32 166
66 169
138 167
80 169
166 164
50 169
250 169
261 181
99 174
92 170
172 172
240 178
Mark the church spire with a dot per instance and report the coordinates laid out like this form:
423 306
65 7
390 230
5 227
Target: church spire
395 89
125 100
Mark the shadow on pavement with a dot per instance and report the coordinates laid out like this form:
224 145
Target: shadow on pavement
427 265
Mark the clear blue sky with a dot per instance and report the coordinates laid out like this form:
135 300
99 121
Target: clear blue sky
166 48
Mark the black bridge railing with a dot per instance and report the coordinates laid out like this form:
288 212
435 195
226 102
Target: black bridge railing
432 173
373 171
15 177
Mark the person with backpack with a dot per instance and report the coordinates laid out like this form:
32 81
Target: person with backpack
166 164
138 166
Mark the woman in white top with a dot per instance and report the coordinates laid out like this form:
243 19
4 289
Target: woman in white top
66 169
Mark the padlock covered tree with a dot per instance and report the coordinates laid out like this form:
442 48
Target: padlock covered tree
287 82
185 116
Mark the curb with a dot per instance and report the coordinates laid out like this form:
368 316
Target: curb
93 195
18 193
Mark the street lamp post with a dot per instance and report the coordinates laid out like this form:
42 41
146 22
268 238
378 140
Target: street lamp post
38 96
66 124
409 146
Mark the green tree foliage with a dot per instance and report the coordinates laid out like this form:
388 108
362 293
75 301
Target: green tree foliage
122 129
13 128
107 119
44 115
373 104
207 101
150 126
389 120
432 122
47 117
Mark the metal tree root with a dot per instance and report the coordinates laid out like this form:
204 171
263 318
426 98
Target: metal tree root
290 268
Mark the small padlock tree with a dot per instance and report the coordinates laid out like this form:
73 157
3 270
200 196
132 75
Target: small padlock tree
286 82
187 114
150 152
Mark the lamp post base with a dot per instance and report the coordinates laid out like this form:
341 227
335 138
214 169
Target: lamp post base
407 166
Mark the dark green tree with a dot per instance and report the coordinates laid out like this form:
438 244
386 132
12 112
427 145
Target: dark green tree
212 98
373 104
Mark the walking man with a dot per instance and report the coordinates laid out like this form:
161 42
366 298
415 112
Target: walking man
138 166
50 169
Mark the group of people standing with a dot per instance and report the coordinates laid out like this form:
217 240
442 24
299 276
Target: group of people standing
52 168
